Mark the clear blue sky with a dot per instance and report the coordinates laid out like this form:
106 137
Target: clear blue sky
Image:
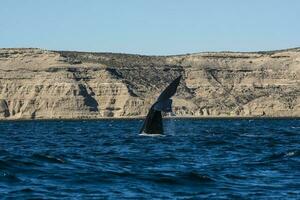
150 26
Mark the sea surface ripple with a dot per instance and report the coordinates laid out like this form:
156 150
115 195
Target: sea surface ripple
196 159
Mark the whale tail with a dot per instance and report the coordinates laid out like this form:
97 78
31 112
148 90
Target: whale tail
153 122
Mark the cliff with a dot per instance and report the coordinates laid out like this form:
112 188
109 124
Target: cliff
42 84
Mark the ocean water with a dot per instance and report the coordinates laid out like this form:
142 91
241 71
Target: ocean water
196 159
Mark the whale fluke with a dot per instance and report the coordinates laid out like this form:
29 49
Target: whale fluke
153 122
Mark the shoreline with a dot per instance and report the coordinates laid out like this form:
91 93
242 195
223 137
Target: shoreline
166 118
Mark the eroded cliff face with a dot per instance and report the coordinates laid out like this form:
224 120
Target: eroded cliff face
41 84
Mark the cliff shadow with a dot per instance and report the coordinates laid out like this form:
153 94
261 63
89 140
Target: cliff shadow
89 100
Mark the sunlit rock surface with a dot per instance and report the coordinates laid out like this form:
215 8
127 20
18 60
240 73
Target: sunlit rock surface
42 84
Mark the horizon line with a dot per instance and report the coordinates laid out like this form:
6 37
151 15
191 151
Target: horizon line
154 55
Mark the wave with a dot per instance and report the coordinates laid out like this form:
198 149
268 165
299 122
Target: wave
8 177
282 155
48 158
180 178
276 157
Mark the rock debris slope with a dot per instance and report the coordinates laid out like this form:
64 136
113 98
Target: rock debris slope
42 84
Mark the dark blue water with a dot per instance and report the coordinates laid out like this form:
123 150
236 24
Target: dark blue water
215 159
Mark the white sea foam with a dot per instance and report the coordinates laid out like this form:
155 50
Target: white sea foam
151 135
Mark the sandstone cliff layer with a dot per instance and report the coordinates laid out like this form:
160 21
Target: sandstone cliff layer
42 84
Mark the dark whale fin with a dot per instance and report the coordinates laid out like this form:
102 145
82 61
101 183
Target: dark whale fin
153 122
170 90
